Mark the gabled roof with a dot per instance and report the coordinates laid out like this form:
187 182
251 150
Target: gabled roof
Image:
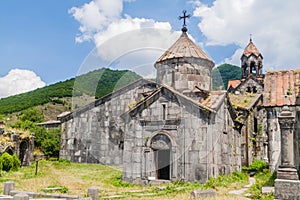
250 77
214 100
251 49
282 87
165 90
233 83
67 116
184 47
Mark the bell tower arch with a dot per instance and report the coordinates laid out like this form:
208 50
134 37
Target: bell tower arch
251 61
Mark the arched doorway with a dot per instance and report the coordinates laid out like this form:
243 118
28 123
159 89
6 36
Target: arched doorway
162 146
23 150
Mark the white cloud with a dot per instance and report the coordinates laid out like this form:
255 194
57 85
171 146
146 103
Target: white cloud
130 34
114 36
273 23
235 58
19 81
96 16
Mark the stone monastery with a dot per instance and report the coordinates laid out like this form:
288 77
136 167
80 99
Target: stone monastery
178 128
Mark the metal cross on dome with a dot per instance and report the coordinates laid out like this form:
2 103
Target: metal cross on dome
184 17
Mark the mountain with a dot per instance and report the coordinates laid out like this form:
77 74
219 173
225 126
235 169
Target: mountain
95 84
223 73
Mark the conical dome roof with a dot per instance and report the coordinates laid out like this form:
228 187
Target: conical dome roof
184 47
251 49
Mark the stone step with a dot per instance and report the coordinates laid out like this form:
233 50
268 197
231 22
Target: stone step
158 181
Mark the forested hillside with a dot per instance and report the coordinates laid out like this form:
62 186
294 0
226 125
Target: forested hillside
96 83
223 73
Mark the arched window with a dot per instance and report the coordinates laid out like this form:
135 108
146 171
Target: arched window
252 68
248 89
245 70
254 89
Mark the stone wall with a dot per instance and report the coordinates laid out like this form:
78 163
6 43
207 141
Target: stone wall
202 144
183 75
95 133
250 85
297 141
225 147
287 189
254 137
273 131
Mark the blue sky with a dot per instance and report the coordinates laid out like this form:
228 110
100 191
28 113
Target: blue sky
40 36
43 42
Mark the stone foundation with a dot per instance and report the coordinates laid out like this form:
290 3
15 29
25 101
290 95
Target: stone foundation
287 173
287 189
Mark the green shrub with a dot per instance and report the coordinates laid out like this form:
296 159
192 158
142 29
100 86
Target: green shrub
118 182
62 160
47 140
16 162
264 178
256 166
50 142
9 162
225 181
6 161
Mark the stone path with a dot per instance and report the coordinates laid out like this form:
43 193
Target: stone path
245 188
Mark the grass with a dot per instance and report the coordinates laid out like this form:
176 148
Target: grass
75 179
263 178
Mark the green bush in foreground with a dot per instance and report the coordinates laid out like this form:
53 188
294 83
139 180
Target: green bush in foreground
9 162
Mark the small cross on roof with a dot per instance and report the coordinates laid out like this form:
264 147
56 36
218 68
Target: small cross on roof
184 29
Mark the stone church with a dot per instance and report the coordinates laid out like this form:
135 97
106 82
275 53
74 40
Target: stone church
172 129
177 128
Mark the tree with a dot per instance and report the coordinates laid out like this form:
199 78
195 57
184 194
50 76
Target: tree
51 143
222 74
32 115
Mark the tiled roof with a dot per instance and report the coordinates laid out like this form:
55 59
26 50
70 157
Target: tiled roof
251 49
214 100
233 83
281 87
184 47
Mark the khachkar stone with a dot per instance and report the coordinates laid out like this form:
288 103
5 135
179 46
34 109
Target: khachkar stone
287 169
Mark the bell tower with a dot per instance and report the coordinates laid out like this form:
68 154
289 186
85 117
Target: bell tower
251 61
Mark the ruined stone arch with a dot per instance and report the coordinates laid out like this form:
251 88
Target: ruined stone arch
9 150
23 151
